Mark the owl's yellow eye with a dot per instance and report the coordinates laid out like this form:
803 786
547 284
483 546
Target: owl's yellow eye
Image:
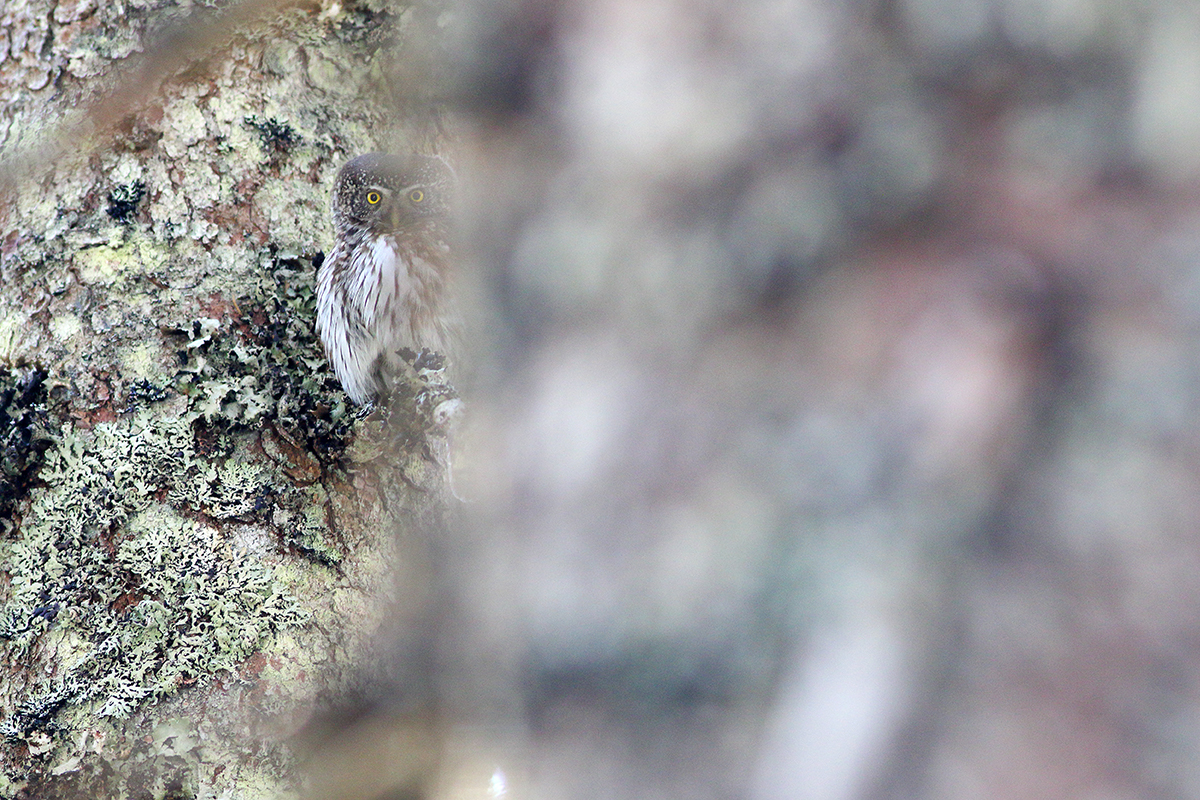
373 198
416 195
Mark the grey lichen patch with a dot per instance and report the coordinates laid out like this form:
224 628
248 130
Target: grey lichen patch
135 597
17 339
302 518
265 366
242 489
325 75
184 125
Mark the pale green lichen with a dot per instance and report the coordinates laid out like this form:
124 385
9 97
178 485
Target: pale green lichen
125 562
271 370
184 125
148 599
160 549
301 516
66 327
241 489
141 360
124 255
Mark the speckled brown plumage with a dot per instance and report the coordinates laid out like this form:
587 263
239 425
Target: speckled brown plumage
383 285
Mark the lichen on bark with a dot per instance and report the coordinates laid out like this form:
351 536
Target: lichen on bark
187 520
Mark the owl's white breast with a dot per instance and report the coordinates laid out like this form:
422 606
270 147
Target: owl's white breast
383 279
375 296
404 286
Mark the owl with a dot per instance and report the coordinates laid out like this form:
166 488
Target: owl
383 285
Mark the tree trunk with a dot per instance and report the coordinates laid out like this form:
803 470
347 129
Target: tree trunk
194 544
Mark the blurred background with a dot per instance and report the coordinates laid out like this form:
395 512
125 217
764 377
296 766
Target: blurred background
845 397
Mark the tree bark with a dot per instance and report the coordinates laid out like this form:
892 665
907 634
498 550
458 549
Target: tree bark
195 546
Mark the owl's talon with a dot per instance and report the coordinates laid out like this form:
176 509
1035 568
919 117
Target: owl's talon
430 360
363 411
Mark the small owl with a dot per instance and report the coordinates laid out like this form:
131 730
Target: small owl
382 286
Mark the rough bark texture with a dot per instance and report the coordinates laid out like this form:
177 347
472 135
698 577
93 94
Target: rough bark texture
191 553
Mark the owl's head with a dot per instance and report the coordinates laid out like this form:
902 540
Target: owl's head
386 193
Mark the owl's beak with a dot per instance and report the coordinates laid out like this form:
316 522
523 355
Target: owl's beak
394 217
